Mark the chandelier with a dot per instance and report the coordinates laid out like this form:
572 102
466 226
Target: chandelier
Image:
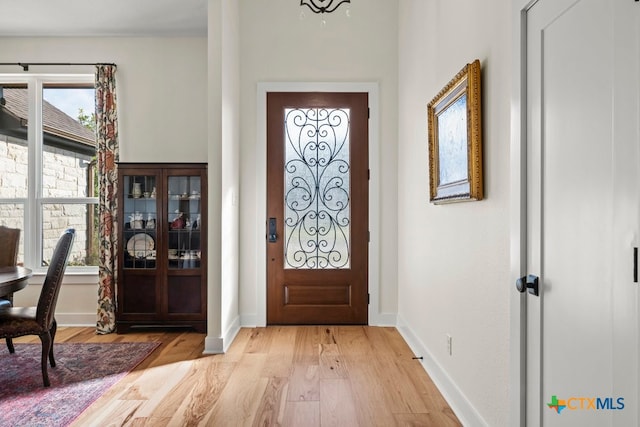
323 6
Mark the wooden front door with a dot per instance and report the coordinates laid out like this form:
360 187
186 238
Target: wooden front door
317 208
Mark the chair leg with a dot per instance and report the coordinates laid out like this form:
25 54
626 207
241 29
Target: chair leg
52 332
46 348
10 345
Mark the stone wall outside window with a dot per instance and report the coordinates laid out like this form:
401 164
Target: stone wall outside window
65 174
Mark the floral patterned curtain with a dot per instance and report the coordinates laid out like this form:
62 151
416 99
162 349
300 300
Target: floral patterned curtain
107 139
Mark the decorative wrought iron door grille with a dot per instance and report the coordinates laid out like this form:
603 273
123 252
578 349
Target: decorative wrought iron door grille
317 188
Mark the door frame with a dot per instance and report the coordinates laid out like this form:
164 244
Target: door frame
518 214
375 317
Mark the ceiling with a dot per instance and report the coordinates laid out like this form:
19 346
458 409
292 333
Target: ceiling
75 18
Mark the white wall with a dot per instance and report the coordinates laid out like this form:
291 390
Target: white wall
161 85
214 342
162 105
230 173
453 260
278 46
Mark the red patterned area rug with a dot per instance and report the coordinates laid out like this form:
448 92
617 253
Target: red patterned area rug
83 372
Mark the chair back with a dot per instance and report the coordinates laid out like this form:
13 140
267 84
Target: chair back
9 241
53 281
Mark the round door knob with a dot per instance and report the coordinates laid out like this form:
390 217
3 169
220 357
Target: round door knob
531 282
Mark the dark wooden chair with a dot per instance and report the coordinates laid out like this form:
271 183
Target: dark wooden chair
19 321
9 242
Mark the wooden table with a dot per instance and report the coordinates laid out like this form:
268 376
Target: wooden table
13 279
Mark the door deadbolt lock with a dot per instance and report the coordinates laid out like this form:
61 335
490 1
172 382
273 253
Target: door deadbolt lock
272 235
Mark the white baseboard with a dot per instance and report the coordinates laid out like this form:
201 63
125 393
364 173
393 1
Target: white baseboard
213 345
231 333
219 345
464 410
77 319
250 321
383 319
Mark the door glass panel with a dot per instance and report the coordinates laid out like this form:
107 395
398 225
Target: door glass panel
317 188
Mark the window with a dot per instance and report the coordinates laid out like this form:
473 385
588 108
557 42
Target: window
48 166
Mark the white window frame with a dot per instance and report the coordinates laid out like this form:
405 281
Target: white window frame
34 201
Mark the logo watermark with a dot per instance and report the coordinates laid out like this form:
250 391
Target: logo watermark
586 404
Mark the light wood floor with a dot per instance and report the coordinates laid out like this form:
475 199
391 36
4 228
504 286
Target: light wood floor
276 376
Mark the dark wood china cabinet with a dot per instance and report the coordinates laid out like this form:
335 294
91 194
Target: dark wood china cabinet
162 253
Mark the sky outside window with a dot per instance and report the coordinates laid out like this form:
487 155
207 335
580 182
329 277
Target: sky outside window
70 100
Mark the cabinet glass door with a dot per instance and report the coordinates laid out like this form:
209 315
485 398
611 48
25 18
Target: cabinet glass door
140 221
183 211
